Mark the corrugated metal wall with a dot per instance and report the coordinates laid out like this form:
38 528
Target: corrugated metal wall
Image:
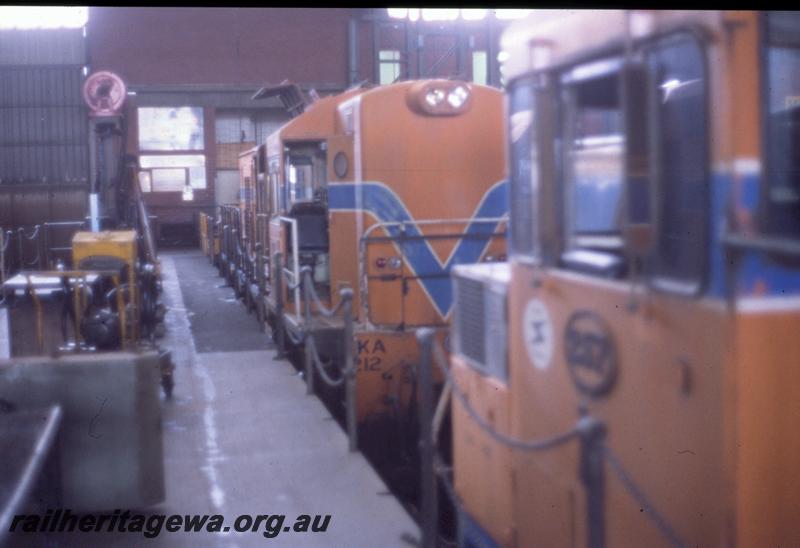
43 120
43 124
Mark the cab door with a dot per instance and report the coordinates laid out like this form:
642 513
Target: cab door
637 341
572 318
683 324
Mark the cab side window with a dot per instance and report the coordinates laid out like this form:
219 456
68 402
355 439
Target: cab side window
680 151
523 169
593 168
782 124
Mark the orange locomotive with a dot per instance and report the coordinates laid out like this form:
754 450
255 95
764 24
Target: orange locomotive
650 393
383 191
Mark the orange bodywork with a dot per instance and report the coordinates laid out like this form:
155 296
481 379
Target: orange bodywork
430 172
489 489
704 410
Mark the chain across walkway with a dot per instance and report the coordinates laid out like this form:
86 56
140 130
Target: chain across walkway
588 430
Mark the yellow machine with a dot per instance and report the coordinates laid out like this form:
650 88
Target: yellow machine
113 253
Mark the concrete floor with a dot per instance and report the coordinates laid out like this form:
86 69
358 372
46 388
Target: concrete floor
242 437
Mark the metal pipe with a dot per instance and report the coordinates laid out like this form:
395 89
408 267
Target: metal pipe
376 63
46 229
441 408
408 42
591 471
261 287
429 510
295 263
94 212
278 284
350 369
39 320
305 281
352 50
120 311
2 256
40 248
490 55
20 248
93 184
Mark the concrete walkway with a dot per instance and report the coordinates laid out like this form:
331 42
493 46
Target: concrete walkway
242 437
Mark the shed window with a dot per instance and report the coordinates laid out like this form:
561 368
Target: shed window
163 171
171 145
479 67
178 128
389 61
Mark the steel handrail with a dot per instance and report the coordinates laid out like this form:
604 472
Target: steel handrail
365 240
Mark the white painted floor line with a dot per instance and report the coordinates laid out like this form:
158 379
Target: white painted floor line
180 321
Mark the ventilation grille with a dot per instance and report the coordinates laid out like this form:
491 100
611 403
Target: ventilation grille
471 320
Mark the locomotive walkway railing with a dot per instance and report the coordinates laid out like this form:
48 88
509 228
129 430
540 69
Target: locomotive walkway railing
294 272
588 430
240 267
312 359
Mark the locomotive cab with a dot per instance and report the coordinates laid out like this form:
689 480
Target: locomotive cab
306 203
653 288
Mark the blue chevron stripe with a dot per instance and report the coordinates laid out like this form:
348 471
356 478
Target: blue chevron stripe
386 206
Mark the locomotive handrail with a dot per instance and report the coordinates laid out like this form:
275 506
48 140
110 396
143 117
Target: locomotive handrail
311 355
589 430
295 261
367 238
780 246
427 222
348 368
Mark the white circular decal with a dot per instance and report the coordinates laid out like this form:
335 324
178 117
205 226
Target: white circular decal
537 329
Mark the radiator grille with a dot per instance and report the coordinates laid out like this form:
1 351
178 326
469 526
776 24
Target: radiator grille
496 335
471 320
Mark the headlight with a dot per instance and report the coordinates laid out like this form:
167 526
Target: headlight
457 97
434 97
439 97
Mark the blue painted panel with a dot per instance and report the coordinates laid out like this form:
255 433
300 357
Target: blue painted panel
386 206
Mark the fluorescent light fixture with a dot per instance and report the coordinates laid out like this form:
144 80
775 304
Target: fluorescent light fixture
473 14
511 14
439 14
43 17
467 14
